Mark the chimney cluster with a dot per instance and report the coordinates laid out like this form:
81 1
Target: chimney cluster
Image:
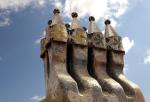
77 33
83 65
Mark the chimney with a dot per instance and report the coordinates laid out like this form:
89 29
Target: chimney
58 29
97 38
57 19
78 72
78 34
75 22
113 40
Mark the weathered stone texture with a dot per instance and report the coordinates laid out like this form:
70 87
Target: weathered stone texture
107 84
80 71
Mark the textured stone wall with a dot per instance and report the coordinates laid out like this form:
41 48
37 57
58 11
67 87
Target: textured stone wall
70 81
81 67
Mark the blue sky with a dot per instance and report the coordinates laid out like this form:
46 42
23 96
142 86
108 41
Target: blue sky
22 24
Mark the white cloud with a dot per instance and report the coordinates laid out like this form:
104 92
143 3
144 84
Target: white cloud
147 58
113 23
125 69
5 22
8 6
41 2
37 98
100 9
57 3
4 19
13 4
127 43
17 4
37 41
96 8
118 7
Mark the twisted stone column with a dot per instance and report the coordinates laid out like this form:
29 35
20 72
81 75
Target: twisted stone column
108 84
115 69
61 87
87 85
98 58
